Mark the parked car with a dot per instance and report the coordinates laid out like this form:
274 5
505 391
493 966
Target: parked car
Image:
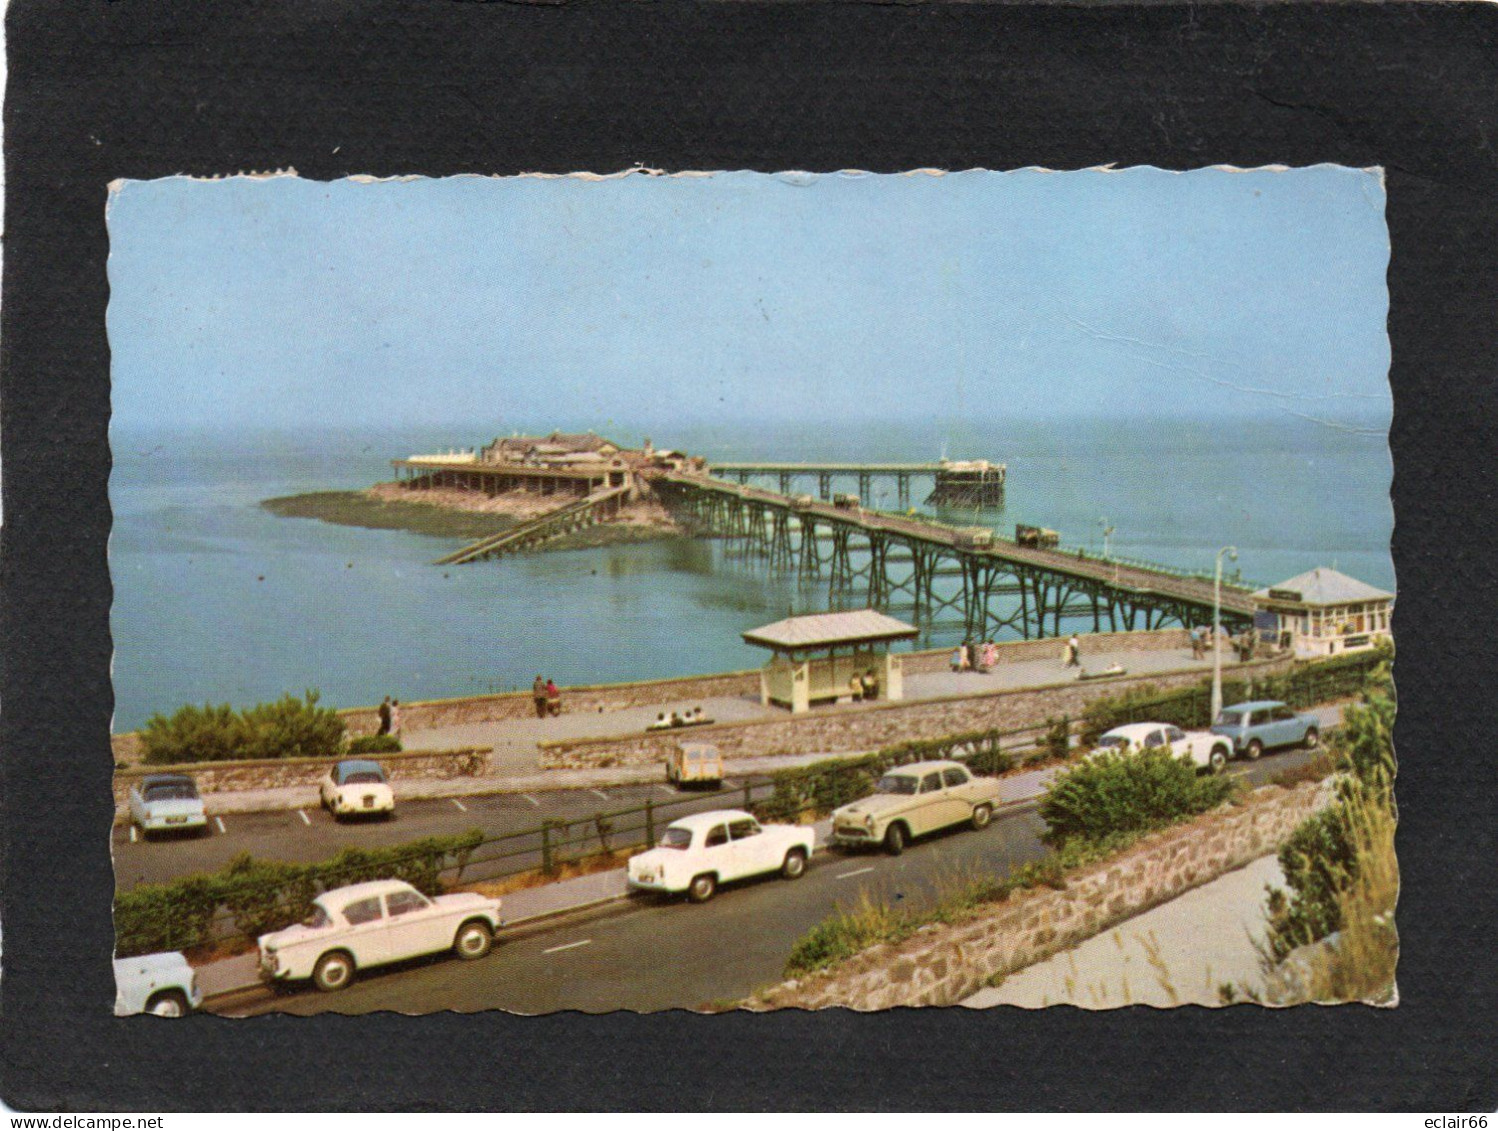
914 800
1265 724
163 984
695 763
357 786
1211 752
370 924
698 853
167 803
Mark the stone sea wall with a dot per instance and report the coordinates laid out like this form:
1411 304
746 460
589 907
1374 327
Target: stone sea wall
869 727
273 773
944 964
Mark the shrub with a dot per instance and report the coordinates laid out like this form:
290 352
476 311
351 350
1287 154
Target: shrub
287 728
266 895
1120 793
375 744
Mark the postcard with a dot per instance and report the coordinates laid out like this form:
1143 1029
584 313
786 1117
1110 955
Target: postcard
731 590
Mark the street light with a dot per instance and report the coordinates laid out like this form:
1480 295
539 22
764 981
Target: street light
1232 552
1107 533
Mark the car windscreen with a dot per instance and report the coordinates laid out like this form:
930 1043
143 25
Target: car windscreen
1109 741
170 791
1230 719
677 838
896 783
318 919
364 777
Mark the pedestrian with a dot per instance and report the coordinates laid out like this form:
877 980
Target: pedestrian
870 685
1197 648
553 699
957 659
1074 646
395 717
538 693
384 716
990 655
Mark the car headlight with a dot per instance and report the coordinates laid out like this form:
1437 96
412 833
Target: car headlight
868 821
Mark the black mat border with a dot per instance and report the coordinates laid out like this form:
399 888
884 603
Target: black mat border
141 89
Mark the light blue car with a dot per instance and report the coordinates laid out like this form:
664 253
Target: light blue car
161 984
1263 725
162 803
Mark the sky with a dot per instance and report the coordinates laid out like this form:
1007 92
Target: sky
767 298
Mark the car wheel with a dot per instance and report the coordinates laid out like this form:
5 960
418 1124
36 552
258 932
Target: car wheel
333 971
168 1003
1313 738
894 839
1217 761
1253 750
702 888
473 940
795 864
981 816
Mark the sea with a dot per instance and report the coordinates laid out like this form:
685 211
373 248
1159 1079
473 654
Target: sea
216 600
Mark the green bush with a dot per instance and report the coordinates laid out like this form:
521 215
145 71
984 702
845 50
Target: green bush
288 728
258 896
375 744
1113 792
1320 861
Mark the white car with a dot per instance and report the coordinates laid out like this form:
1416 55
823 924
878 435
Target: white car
370 924
1210 751
700 852
167 803
357 786
163 984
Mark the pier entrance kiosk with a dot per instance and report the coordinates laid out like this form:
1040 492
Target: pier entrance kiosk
1324 613
824 657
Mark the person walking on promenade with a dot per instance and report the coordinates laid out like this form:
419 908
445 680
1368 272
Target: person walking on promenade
1197 649
990 655
384 716
395 717
553 699
1074 648
538 693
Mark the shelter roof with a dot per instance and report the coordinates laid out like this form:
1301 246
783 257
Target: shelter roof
1322 586
824 630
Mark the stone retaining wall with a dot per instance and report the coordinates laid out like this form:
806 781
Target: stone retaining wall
942 965
872 726
433 713
273 773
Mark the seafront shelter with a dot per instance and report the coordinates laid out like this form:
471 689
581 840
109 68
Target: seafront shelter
825 657
1325 613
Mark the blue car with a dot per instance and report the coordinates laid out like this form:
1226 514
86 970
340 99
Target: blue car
1263 725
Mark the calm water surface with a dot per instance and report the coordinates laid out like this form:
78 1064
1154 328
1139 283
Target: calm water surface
218 600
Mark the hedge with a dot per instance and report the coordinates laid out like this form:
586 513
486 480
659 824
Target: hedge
256 896
1113 793
288 728
823 786
375 744
1189 707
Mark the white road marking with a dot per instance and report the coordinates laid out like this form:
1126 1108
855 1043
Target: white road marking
459 804
855 872
132 834
531 799
567 946
219 821
729 785
306 820
667 790
599 793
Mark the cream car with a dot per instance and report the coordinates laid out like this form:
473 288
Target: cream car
698 853
371 924
913 800
357 787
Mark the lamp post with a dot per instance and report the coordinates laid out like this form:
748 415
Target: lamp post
1232 552
1107 533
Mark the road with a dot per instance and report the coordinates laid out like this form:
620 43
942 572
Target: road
311 834
656 953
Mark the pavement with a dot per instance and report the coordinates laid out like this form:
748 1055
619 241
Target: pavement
1180 953
515 762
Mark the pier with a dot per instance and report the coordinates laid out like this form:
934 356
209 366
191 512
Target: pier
894 561
957 482
597 507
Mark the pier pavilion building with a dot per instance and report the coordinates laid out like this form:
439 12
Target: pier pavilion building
816 658
1324 613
